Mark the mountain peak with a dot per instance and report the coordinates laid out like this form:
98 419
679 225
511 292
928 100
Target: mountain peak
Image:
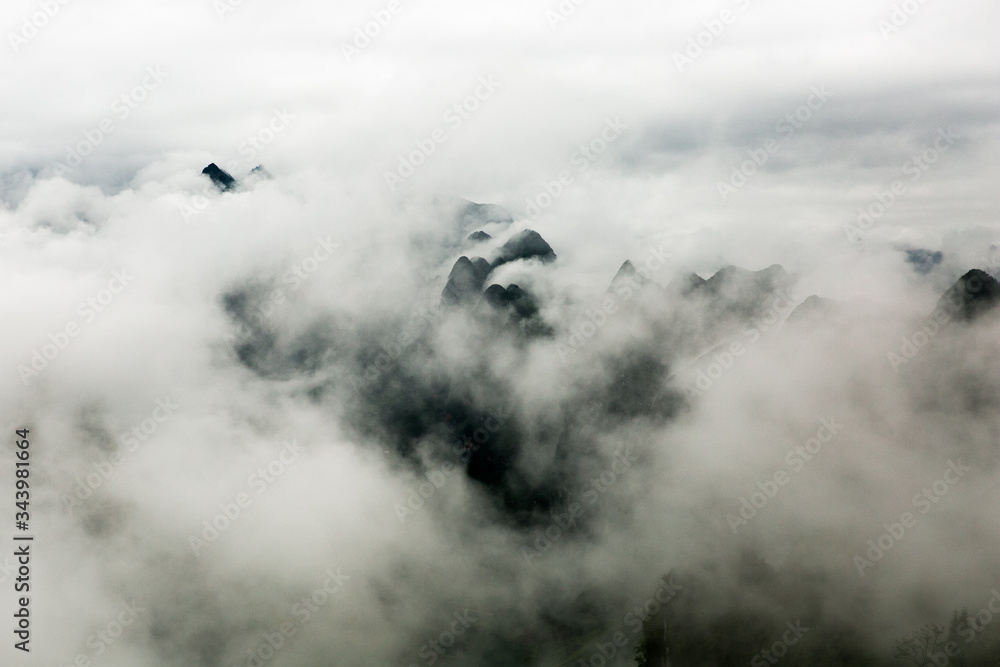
220 177
814 308
527 244
471 214
627 274
731 276
972 295
627 270
512 299
686 283
465 280
260 172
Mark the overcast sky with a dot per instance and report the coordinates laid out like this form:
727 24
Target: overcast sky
560 77
748 132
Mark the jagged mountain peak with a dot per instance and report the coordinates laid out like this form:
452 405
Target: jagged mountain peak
972 295
260 172
626 272
220 177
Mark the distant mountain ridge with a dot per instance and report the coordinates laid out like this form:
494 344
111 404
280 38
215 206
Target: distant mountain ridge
643 335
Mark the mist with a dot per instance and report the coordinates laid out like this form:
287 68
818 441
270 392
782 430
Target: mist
716 382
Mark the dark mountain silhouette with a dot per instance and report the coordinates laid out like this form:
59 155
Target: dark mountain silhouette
527 244
465 282
397 395
479 236
425 411
220 177
975 293
481 265
513 300
467 277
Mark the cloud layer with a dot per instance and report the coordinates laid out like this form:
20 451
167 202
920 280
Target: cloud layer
260 438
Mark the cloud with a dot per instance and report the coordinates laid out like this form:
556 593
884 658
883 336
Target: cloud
440 444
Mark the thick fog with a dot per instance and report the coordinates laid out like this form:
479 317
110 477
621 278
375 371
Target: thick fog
284 423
